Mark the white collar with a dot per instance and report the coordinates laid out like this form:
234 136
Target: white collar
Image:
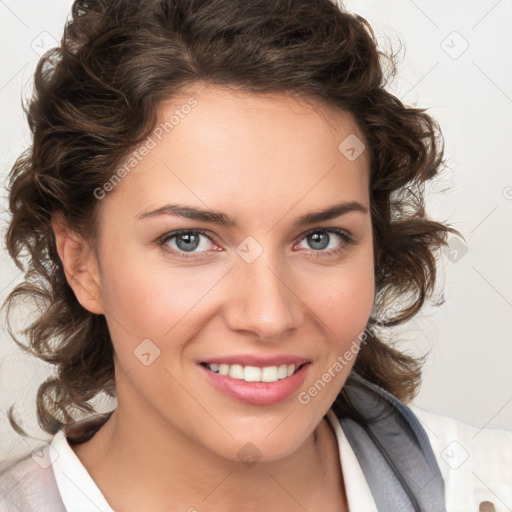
359 496
80 493
78 490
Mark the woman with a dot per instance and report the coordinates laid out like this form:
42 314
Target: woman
221 207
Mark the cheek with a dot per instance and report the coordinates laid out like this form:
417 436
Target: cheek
158 301
344 298
155 301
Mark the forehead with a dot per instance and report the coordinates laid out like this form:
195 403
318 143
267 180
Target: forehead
228 149
231 114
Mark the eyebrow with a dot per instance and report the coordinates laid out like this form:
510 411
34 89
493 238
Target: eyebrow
217 217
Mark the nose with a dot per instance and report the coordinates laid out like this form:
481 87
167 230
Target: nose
262 300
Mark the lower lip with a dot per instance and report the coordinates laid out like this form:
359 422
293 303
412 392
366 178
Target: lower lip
258 393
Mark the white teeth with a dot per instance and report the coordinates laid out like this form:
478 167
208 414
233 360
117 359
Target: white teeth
236 371
253 373
282 371
269 374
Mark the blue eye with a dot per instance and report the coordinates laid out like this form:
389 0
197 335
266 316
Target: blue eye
320 239
186 241
193 243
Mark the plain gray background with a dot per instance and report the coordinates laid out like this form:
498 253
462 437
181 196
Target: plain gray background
456 61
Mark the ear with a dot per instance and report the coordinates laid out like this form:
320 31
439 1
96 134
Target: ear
80 265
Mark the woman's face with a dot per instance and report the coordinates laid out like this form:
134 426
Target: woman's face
252 285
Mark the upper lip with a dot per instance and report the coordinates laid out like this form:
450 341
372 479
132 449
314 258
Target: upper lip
258 361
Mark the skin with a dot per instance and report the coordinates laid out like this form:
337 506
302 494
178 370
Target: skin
174 438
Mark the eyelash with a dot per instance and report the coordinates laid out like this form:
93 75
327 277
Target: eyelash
347 241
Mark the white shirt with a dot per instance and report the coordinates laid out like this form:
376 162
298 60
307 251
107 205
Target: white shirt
476 466
80 493
78 490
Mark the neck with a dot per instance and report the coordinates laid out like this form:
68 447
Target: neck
147 465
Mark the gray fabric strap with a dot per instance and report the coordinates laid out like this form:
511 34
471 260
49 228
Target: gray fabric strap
392 448
388 440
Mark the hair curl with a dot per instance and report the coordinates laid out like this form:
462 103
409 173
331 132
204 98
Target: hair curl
95 99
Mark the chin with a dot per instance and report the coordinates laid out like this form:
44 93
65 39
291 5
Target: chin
266 444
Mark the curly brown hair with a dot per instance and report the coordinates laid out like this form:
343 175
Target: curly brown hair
96 98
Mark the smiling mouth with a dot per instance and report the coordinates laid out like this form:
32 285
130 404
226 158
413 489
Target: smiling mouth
254 373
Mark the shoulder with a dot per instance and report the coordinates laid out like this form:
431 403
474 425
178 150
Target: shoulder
476 463
29 484
33 482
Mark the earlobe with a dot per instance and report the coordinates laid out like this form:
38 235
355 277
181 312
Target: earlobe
80 265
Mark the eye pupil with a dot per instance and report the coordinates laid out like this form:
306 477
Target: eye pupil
319 240
191 241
